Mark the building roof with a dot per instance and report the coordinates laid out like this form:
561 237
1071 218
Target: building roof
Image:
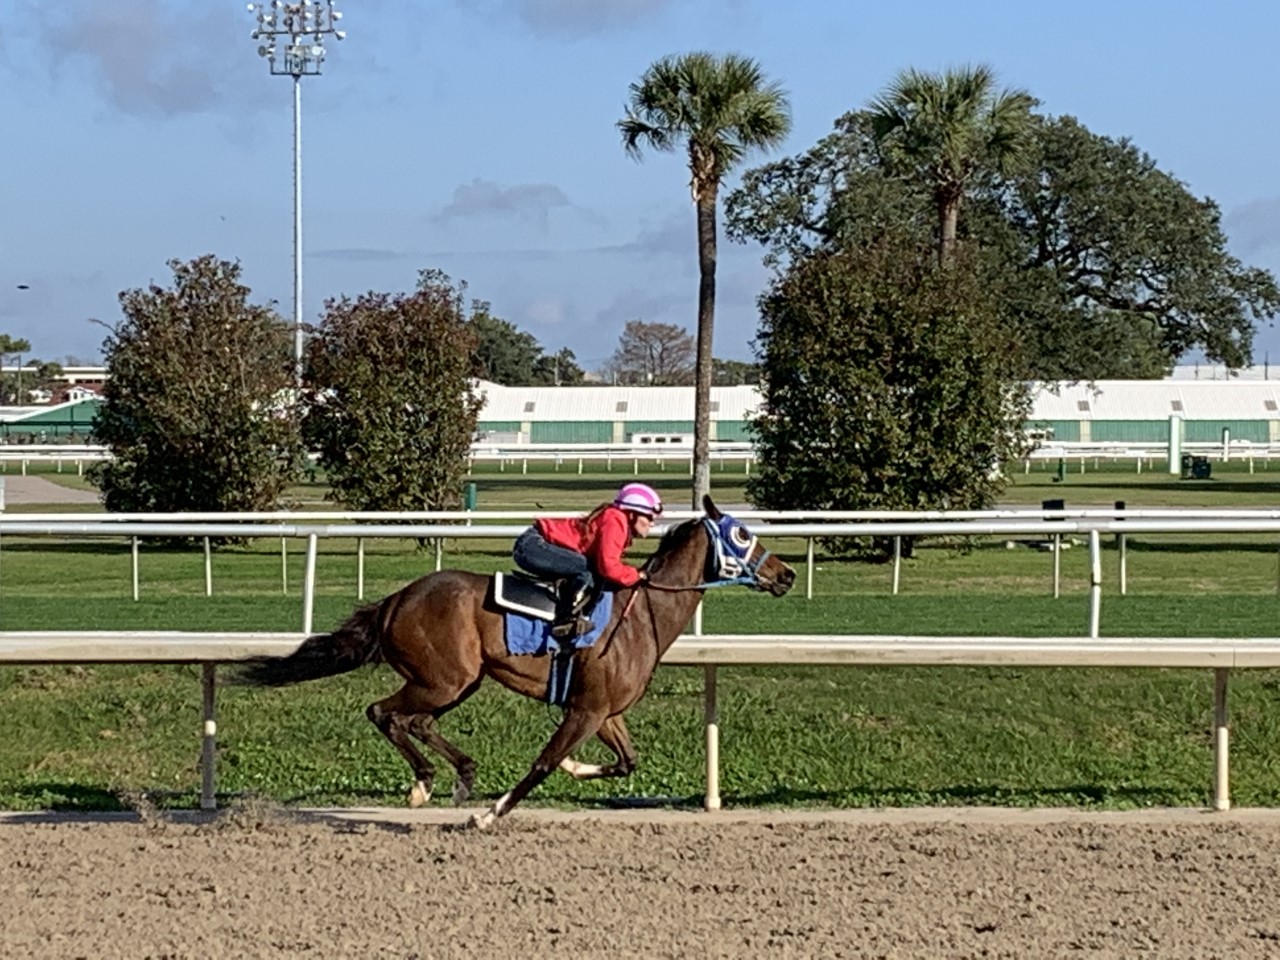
558 404
1100 400
1159 400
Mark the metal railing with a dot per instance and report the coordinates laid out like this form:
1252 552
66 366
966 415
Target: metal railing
709 652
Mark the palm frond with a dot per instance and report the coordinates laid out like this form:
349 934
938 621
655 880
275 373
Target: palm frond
721 107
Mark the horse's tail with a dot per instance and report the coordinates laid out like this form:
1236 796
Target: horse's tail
356 643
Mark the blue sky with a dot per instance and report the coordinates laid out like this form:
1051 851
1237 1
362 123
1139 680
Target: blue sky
477 136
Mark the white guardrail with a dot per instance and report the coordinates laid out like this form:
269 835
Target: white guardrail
1048 528
709 652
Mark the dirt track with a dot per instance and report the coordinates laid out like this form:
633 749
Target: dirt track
259 884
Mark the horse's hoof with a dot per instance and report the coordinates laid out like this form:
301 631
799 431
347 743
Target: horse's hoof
420 795
482 821
461 793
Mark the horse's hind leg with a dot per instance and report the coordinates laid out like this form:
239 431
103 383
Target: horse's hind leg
412 710
424 728
613 734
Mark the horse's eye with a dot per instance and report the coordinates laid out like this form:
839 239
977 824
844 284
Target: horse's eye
740 536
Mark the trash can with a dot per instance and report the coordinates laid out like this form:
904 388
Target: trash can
469 496
1201 469
1187 461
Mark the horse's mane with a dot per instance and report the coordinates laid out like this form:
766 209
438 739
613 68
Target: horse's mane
671 540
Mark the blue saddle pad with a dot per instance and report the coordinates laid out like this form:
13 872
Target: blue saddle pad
526 636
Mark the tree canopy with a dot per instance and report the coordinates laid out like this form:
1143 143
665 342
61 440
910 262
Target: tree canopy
393 414
508 355
653 354
198 411
946 130
1114 268
888 382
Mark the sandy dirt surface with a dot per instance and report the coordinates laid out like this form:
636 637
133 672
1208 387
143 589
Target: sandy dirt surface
30 489
262 883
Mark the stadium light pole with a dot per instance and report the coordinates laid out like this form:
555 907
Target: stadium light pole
293 35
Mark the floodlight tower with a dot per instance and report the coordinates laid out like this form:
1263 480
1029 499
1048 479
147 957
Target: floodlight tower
293 36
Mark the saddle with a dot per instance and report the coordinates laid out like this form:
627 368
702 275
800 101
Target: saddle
526 594
528 605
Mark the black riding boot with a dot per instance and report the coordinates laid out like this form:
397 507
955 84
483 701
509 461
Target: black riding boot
575 594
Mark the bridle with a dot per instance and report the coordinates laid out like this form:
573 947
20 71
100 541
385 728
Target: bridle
748 568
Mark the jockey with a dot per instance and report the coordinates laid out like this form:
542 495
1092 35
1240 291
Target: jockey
578 551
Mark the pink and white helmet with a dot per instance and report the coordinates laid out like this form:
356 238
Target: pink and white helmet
640 498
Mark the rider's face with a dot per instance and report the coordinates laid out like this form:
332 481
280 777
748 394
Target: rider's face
640 524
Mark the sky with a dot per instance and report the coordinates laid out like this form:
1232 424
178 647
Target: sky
479 137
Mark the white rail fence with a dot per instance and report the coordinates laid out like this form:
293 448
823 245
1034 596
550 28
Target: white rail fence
1048 528
710 652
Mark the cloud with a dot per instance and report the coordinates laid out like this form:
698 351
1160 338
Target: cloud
1255 226
674 235
569 19
530 202
650 305
575 18
547 311
149 59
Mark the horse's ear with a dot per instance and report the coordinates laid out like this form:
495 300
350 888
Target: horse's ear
709 505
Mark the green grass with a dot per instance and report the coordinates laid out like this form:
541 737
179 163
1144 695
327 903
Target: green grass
81 737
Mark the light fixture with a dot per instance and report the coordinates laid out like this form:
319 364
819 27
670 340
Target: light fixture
302 26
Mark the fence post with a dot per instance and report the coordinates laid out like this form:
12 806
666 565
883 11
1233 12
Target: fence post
712 718
1221 742
284 567
135 568
1049 505
808 558
208 568
360 568
309 585
209 736
897 563
1095 582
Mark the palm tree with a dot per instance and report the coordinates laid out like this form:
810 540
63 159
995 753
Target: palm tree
719 109
944 129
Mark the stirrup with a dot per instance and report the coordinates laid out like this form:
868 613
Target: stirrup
576 627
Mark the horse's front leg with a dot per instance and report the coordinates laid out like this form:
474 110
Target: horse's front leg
614 735
574 730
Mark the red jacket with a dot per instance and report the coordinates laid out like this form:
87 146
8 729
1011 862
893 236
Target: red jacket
601 539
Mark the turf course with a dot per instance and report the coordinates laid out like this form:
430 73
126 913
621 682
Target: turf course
91 737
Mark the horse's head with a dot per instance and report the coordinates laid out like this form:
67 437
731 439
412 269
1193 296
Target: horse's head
737 555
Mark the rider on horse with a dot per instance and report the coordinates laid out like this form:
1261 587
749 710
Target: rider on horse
579 551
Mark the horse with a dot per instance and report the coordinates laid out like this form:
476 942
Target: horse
444 635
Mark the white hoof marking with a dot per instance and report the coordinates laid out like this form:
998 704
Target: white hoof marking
419 796
580 771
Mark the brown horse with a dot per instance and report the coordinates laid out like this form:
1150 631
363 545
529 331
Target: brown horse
444 635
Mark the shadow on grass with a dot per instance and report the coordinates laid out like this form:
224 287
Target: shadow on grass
71 797
1078 795
1260 485
1187 547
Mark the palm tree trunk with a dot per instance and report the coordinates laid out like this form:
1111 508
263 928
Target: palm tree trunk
948 219
706 322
